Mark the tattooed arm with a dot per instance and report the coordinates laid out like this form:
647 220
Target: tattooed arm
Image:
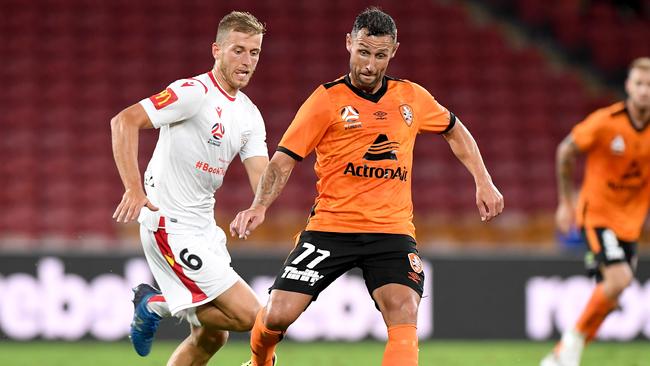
271 184
565 159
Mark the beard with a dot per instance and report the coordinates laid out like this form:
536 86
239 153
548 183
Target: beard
232 80
367 86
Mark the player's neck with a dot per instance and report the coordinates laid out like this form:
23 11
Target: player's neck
354 83
232 92
640 116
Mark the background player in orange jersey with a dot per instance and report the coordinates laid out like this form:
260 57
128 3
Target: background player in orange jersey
363 128
613 202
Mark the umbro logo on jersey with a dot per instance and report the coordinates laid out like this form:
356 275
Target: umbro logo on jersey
382 149
380 115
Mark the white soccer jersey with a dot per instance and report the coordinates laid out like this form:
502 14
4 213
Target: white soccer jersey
202 128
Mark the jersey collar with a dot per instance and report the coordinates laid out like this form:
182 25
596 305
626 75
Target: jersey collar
371 97
624 109
216 84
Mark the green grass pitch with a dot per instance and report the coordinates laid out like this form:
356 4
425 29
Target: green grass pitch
432 353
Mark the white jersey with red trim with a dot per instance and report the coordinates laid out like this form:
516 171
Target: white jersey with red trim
202 128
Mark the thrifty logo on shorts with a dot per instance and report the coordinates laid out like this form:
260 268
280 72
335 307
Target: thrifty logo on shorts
307 275
209 169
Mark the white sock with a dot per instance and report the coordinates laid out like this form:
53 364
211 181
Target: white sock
189 315
158 305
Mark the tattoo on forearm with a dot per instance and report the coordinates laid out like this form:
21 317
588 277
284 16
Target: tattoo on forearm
271 184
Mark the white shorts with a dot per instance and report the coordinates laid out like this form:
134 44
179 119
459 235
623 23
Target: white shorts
191 269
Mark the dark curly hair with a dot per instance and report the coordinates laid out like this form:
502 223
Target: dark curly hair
375 22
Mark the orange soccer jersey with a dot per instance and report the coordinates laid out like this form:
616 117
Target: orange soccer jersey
615 191
364 152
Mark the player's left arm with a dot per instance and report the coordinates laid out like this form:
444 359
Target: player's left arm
254 168
488 198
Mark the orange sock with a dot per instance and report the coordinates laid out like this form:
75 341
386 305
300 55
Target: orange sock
402 346
263 341
597 309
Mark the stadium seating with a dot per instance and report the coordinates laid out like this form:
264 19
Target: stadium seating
69 66
609 36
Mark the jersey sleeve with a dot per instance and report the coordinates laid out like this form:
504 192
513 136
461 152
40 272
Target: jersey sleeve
308 126
255 144
431 115
179 101
585 133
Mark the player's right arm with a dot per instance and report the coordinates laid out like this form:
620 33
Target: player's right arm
565 159
302 136
271 184
125 127
180 101
583 137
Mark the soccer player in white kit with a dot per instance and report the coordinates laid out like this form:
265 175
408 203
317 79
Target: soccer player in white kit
204 122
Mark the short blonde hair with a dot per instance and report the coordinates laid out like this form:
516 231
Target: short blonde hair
641 63
239 21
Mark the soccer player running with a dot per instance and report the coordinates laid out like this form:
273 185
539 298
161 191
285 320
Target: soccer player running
204 122
612 204
363 128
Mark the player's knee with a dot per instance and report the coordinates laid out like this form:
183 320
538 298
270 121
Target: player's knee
208 341
623 280
616 281
400 309
217 338
275 319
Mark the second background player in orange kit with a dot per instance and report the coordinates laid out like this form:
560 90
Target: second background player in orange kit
612 205
363 128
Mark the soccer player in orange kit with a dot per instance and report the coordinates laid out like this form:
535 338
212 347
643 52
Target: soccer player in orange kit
363 128
613 201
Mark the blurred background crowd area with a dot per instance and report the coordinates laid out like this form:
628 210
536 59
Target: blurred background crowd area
519 74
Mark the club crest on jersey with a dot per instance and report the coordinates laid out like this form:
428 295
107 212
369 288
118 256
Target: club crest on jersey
163 99
617 146
416 262
407 114
218 130
350 116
